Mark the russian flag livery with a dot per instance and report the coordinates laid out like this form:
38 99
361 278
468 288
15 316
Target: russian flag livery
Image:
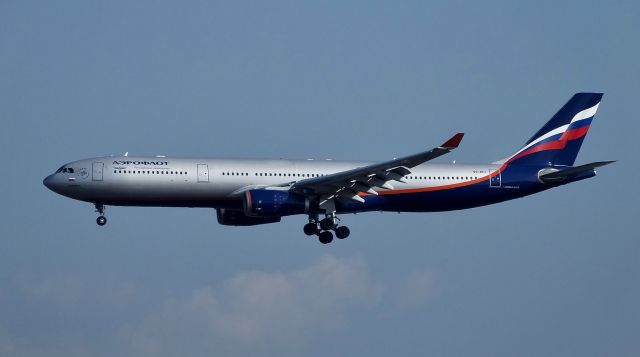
557 143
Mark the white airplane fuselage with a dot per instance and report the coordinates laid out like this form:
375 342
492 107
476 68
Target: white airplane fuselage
215 183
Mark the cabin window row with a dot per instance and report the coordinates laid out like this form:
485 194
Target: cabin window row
150 172
271 174
442 177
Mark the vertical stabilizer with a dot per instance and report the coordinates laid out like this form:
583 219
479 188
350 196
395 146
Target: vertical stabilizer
557 143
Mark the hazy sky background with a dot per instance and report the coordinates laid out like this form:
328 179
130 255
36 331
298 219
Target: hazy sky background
554 274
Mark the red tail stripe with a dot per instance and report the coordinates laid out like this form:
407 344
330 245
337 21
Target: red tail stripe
575 133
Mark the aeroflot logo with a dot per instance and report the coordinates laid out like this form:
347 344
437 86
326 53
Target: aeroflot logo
157 163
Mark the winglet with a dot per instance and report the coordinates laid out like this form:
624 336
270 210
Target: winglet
453 142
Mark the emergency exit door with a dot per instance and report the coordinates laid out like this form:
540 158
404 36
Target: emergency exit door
203 173
98 167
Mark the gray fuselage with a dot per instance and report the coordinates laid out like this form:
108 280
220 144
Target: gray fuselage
215 183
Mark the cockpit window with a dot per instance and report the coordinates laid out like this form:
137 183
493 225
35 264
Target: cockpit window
65 170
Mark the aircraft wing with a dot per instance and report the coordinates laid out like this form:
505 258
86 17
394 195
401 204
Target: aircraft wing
348 184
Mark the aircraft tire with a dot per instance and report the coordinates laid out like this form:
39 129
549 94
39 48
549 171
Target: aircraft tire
311 229
327 224
325 237
342 232
101 221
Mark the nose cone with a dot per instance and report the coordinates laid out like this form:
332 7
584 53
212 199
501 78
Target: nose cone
48 181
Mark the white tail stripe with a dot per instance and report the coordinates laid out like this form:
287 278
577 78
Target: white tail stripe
585 114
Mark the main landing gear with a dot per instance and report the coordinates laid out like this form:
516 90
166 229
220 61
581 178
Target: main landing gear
101 220
323 228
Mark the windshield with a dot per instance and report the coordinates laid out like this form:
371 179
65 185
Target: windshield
65 170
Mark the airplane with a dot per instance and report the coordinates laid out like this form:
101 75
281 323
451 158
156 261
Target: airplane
251 192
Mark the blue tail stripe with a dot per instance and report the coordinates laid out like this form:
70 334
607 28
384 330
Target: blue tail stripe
577 103
563 153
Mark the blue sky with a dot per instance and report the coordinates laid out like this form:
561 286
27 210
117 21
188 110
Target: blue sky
553 274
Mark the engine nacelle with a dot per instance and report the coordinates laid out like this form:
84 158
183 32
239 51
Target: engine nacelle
229 217
272 203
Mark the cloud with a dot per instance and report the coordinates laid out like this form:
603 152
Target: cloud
281 312
417 290
274 312
78 290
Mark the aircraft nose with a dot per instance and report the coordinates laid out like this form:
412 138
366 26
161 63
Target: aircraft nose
48 181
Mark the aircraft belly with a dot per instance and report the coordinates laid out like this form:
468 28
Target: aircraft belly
142 192
475 195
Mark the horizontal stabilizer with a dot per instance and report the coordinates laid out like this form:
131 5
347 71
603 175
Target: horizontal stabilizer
569 173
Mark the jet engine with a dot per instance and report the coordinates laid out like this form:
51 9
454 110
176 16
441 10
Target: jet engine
274 203
229 217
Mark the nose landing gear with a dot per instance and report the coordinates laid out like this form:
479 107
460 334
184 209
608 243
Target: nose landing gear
101 220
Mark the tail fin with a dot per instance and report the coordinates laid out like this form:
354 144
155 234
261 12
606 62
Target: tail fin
560 139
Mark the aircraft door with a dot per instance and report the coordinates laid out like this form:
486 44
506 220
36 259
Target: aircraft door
98 167
203 173
495 180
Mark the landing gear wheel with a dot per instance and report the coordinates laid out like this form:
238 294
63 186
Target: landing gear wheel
342 232
327 224
310 229
102 220
325 237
